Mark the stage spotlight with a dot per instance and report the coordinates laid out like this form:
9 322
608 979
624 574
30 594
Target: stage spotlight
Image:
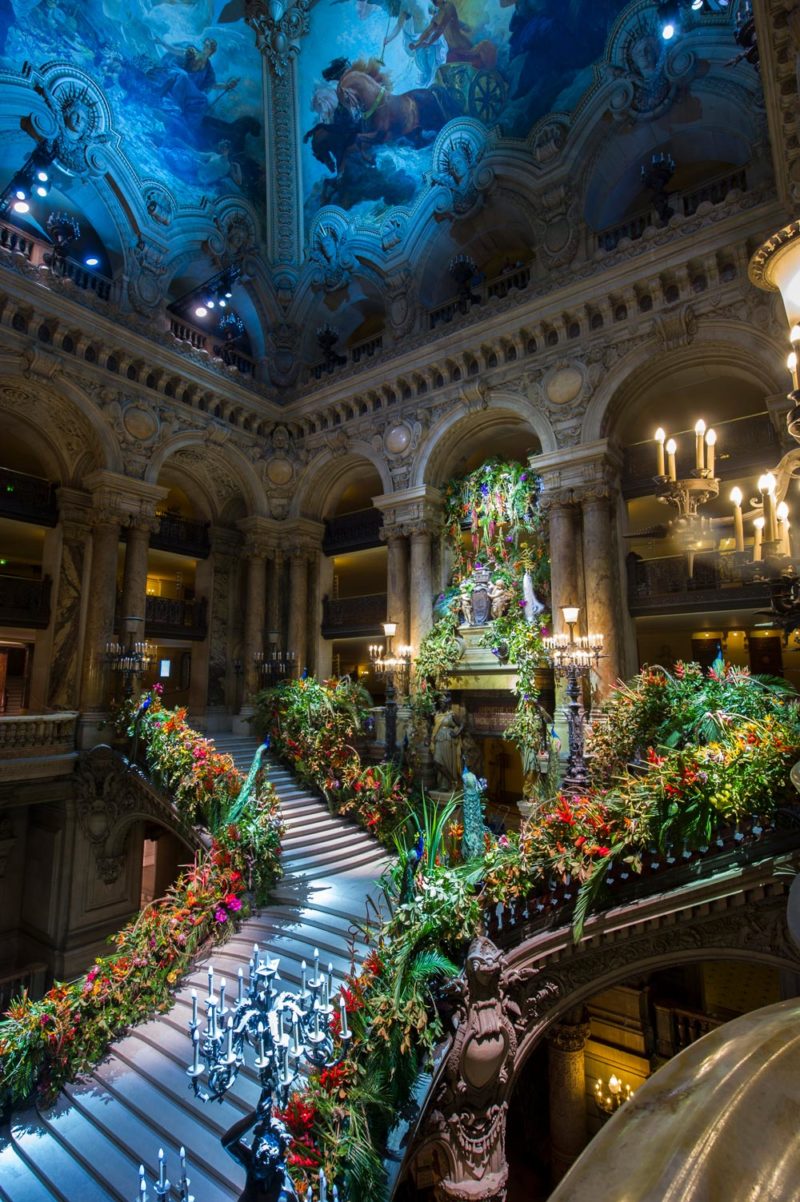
91 261
201 311
21 206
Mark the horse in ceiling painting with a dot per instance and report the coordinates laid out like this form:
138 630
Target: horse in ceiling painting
365 91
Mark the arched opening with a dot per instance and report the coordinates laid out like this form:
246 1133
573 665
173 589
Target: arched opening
587 1064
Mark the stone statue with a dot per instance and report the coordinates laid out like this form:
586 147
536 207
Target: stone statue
465 604
446 749
501 597
472 840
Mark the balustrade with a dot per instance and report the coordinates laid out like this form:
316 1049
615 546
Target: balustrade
29 980
37 734
662 585
353 532
25 602
27 498
351 617
169 617
183 536
685 203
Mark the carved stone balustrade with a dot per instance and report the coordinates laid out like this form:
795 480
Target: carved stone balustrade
351 617
36 746
25 602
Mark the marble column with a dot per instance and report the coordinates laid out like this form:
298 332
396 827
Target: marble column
255 604
420 587
68 611
102 596
567 1089
564 579
397 584
601 575
298 607
274 571
134 581
201 651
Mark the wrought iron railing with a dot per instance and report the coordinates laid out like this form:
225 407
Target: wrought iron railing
183 536
717 583
25 602
31 980
353 532
27 498
351 617
170 618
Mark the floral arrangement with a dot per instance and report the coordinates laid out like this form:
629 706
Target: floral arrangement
315 725
45 1043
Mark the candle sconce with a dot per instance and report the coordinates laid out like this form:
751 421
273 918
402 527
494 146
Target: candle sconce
609 1098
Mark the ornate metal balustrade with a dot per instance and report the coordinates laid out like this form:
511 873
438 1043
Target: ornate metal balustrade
353 617
662 585
169 618
743 445
183 536
353 532
27 498
37 734
30 980
25 602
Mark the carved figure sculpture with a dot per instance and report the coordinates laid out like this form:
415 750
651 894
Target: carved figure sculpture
501 597
445 748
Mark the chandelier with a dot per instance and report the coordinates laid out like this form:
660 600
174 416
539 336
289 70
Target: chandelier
688 492
609 1098
131 658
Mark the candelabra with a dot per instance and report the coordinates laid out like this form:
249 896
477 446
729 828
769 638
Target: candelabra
274 665
131 658
572 658
391 665
287 1033
610 1098
162 1187
686 494
656 175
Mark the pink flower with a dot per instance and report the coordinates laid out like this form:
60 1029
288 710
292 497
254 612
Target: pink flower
233 902
221 915
158 689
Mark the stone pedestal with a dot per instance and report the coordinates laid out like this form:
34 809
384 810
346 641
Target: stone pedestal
567 1077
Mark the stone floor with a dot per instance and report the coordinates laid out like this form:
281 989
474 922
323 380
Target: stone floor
88 1146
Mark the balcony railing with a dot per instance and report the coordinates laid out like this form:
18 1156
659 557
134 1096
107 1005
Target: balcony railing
30 980
27 498
353 617
169 618
513 278
685 203
663 586
35 249
743 445
183 536
25 602
353 532
24 735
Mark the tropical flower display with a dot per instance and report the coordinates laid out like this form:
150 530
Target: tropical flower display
45 1043
315 726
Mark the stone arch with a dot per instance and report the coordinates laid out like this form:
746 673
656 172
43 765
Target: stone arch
327 471
444 438
233 464
737 350
64 422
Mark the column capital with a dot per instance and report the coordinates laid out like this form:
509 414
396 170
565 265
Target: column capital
225 543
570 475
569 1037
411 508
131 499
74 511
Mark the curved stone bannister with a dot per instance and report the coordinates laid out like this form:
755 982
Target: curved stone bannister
88 1146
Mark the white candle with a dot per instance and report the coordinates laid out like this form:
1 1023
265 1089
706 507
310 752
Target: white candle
758 526
230 1037
782 515
660 440
161 1170
330 979
210 981
316 963
699 431
672 447
241 983
711 442
261 1042
343 1014
194 1007
766 486
738 525
303 977
196 1049
222 996
791 363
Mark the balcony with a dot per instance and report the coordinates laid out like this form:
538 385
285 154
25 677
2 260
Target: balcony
27 498
182 536
169 618
34 249
661 586
353 617
353 532
37 746
744 446
25 602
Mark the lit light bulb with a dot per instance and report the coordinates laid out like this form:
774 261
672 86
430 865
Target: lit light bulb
21 206
200 311
672 446
42 177
660 435
782 511
736 495
668 31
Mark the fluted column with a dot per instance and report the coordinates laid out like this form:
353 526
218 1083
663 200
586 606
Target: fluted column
274 569
397 583
601 571
255 603
62 643
564 546
567 1087
134 581
298 606
100 611
420 587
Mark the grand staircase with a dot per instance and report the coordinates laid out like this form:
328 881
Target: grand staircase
88 1146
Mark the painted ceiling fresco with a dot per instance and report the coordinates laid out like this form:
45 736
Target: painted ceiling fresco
183 79
381 78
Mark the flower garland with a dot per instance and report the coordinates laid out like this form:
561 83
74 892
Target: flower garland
314 726
45 1043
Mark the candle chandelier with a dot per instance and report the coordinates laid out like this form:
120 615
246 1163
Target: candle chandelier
274 665
131 658
689 491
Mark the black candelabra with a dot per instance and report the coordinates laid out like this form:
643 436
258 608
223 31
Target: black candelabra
390 664
572 657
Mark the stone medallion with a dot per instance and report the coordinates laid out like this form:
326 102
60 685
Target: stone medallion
279 470
140 423
397 439
564 385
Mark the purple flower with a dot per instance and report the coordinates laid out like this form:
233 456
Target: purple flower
523 477
234 904
221 915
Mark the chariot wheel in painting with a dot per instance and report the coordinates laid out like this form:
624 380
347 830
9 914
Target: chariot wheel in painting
487 95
